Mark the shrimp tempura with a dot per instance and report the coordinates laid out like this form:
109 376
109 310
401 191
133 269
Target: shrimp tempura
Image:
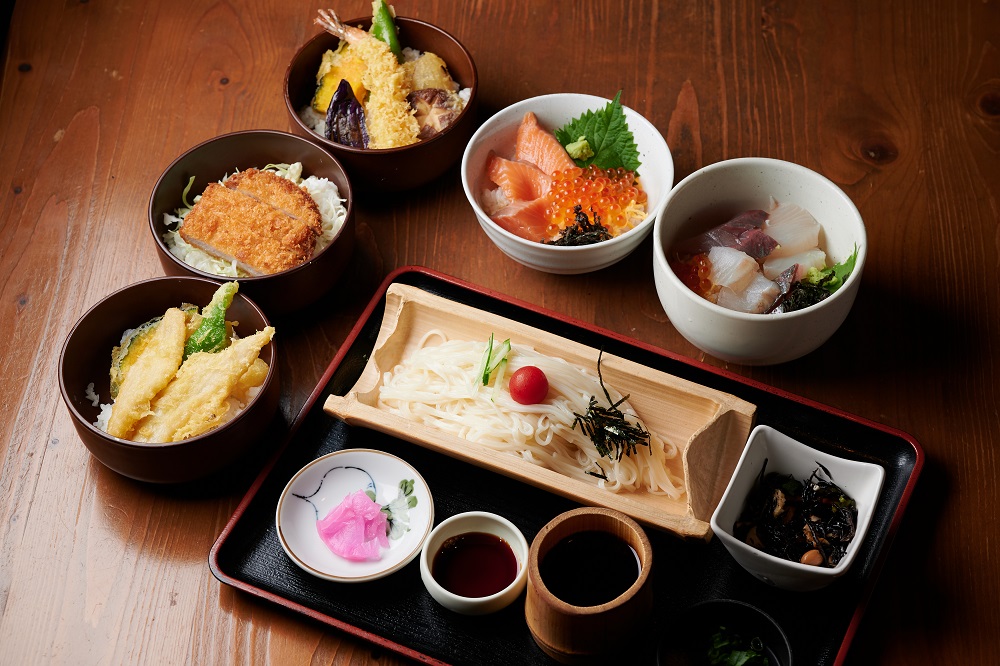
388 114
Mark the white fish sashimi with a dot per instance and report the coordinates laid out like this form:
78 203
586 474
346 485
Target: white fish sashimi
759 295
793 227
732 268
814 258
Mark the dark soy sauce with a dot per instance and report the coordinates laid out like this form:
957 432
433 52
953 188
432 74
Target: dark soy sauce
589 568
474 564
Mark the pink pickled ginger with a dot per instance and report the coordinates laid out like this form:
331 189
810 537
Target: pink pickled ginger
355 529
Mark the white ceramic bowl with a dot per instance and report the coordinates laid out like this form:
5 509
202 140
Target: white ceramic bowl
498 133
860 480
712 195
464 523
323 484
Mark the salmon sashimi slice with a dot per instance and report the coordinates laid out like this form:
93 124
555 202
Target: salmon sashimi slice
537 145
520 181
525 219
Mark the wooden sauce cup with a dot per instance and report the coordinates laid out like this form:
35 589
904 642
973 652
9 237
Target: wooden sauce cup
582 634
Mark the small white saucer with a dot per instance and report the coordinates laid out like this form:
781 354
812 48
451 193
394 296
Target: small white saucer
323 484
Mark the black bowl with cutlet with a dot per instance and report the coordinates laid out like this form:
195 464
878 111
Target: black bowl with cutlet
378 170
286 241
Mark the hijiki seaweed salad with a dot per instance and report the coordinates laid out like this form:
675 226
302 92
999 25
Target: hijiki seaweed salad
811 521
373 92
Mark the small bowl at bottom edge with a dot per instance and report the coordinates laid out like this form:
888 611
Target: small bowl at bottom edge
690 639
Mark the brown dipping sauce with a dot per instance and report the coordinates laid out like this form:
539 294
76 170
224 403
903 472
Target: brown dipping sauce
474 564
589 568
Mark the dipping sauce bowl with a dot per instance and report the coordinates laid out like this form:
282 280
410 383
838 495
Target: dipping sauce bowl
595 619
474 563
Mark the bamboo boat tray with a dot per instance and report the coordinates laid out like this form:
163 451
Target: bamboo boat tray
398 614
709 427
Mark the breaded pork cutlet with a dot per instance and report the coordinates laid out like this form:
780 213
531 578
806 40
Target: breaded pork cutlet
260 237
264 222
281 193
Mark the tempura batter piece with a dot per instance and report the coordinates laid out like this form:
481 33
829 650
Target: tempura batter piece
154 368
231 225
252 378
281 193
197 399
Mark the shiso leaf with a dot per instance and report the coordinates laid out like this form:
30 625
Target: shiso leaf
608 134
831 279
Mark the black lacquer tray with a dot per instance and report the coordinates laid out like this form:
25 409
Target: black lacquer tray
397 612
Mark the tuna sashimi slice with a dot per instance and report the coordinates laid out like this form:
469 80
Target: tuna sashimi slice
540 147
742 232
520 181
525 219
355 529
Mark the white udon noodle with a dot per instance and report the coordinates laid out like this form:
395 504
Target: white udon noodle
437 385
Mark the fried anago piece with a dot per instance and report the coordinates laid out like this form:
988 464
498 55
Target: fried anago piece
197 399
151 372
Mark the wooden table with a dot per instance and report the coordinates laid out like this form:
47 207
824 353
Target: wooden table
898 103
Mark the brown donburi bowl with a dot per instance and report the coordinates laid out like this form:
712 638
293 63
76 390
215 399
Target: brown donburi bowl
214 159
390 169
588 634
86 359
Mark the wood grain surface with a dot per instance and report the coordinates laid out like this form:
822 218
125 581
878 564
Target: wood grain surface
896 102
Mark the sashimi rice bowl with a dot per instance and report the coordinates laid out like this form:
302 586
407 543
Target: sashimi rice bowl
757 261
567 183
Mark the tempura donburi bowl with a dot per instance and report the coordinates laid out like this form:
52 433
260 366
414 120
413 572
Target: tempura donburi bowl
84 365
389 169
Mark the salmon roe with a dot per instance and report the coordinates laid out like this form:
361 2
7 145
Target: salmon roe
614 195
694 272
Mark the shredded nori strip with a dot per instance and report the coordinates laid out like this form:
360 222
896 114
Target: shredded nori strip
613 436
583 231
800 295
